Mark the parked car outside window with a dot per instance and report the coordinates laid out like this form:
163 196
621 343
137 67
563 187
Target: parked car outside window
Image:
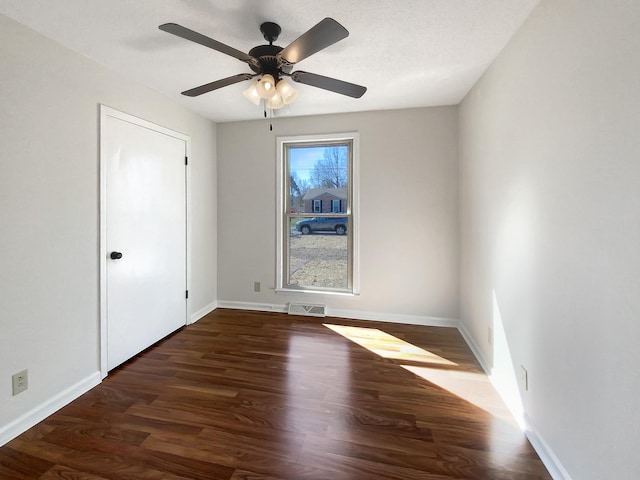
322 224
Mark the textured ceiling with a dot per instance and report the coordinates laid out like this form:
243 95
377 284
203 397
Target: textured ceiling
408 53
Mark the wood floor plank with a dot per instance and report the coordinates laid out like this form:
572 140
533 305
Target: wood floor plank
59 472
23 463
249 395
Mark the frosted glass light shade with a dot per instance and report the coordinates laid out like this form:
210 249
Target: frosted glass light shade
251 93
275 102
286 91
266 86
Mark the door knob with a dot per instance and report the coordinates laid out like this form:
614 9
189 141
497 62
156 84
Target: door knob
116 255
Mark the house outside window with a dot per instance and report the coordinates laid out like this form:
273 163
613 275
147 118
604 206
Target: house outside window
317 214
325 200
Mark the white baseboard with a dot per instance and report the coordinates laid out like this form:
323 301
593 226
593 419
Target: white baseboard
256 307
549 459
553 464
202 312
474 348
394 318
42 411
513 404
353 314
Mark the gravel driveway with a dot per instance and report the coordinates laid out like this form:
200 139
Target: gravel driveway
319 260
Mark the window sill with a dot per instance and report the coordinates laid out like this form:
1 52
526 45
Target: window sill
316 292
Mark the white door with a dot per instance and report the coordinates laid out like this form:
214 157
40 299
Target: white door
145 235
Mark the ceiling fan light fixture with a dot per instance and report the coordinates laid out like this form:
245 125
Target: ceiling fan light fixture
266 86
275 102
286 92
252 94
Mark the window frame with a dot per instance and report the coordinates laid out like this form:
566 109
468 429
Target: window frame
283 213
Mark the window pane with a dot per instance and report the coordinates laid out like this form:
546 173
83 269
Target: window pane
318 178
318 252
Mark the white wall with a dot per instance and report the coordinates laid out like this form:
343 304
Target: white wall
550 226
49 202
408 212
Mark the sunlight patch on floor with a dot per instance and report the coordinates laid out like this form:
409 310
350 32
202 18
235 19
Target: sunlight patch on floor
474 387
388 346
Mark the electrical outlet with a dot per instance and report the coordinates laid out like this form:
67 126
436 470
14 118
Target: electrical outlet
256 287
524 378
20 381
490 336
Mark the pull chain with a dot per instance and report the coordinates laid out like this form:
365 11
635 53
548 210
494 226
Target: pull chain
264 106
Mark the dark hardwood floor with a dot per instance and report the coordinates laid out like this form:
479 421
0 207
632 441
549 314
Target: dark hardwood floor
245 395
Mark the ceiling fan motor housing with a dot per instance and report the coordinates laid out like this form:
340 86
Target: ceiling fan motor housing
268 61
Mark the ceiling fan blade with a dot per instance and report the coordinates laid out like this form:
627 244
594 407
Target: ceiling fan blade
325 33
328 83
196 37
194 92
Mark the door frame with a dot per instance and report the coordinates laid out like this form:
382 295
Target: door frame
105 113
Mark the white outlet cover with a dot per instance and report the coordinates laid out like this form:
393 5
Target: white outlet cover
524 378
20 381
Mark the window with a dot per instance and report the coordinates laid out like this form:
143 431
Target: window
317 214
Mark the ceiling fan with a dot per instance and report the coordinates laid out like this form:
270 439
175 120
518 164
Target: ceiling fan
271 63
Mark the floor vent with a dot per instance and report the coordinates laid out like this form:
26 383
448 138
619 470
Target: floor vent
307 309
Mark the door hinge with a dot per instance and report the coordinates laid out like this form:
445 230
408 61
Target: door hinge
186 160
186 294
